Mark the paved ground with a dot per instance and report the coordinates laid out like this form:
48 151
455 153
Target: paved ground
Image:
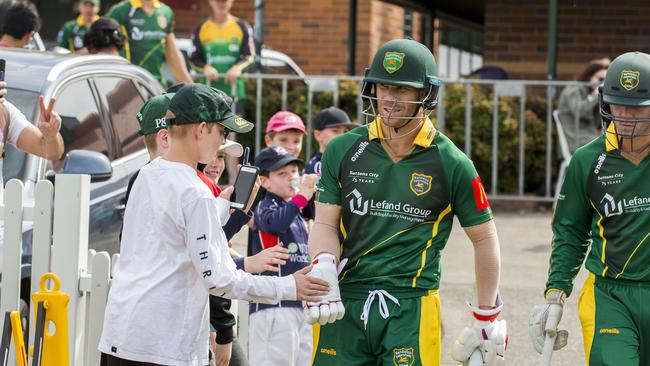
525 247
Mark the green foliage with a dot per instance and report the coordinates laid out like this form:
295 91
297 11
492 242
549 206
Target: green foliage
508 146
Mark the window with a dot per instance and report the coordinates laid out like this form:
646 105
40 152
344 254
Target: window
81 124
122 101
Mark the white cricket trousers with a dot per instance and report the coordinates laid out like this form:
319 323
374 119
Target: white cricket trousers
279 337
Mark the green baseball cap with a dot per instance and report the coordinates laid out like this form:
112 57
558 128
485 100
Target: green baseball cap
196 103
94 2
151 116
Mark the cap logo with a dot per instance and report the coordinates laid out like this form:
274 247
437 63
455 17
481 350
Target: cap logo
630 79
393 61
291 119
280 150
161 122
139 116
240 122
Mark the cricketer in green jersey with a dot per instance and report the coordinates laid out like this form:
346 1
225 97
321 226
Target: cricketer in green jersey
603 214
386 199
148 26
71 35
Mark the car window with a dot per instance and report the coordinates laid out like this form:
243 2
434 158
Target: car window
81 125
122 101
14 160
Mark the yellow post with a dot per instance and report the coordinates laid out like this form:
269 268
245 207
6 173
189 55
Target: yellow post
19 344
55 340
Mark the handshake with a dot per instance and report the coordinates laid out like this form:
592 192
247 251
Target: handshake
319 290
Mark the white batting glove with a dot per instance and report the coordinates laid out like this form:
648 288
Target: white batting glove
488 335
544 319
330 308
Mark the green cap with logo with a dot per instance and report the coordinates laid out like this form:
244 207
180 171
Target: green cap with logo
403 62
151 116
196 103
627 81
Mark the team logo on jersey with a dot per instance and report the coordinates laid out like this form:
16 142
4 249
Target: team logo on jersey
403 356
480 198
393 61
162 21
420 183
136 34
630 79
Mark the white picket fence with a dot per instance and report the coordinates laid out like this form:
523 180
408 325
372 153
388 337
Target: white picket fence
60 245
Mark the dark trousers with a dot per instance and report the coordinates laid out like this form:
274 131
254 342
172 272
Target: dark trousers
109 360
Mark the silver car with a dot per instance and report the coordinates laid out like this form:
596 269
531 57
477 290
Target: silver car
97 98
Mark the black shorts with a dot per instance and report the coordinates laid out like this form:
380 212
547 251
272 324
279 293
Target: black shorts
109 360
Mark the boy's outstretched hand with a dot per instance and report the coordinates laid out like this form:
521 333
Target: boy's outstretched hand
309 288
267 260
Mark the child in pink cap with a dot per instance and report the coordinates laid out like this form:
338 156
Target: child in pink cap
285 129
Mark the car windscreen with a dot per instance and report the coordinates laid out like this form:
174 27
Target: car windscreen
14 160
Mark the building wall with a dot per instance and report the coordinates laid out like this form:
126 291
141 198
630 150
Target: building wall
516 34
315 32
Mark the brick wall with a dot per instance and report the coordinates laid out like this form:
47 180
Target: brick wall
315 32
516 34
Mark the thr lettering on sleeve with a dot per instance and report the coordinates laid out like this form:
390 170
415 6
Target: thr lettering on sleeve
480 198
203 256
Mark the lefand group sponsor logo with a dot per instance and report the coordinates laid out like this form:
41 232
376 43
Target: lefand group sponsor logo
397 210
614 207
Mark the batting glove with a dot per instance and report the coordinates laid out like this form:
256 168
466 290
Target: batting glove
545 319
488 335
330 308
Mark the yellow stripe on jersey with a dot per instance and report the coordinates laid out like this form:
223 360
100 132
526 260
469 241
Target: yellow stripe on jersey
587 313
127 47
430 334
601 232
434 233
611 140
632 255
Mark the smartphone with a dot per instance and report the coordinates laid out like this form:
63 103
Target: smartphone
244 186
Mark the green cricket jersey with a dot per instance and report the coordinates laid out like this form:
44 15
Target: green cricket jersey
605 203
396 217
146 35
71 35
223 46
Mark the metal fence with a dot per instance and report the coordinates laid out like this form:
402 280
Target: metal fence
521 89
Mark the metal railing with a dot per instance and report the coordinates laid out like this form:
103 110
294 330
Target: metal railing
521 89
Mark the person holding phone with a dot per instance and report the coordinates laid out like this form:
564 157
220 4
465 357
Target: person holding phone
278 334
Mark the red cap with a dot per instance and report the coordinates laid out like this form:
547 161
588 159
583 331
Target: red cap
285 120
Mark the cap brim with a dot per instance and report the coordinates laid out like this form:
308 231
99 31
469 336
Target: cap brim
237 124
631 102
284 162
286 128
232 148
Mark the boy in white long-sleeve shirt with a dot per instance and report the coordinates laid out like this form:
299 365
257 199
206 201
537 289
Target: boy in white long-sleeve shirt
174 252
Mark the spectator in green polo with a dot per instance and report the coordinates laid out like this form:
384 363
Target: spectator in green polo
148 26
71 35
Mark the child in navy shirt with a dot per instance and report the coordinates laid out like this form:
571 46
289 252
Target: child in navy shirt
278 334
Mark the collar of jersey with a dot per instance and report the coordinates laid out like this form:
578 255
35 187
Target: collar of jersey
80 20
423 138
138 3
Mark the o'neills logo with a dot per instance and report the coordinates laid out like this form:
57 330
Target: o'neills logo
360 150
601 160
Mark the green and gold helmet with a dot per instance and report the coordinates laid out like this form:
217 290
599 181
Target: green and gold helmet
627 83
406 63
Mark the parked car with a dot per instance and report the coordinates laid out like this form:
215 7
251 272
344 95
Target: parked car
97 98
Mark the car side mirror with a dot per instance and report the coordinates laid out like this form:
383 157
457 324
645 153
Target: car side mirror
88 162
